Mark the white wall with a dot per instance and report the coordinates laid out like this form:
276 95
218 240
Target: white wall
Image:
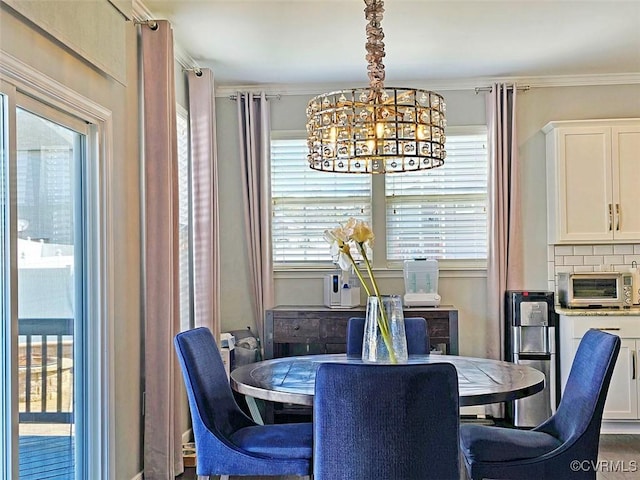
536 108
20 39
466 290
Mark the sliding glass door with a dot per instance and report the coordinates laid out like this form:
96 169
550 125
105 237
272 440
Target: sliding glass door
43 238
50 292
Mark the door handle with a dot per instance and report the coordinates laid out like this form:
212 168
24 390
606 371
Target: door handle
610 217
617 217
633 364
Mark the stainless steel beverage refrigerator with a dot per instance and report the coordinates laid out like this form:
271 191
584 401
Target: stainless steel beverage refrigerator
530 339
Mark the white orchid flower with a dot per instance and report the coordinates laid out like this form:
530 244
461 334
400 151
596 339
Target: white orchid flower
339 248
361 232
357 234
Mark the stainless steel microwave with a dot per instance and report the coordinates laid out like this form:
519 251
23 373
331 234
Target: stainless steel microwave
595 289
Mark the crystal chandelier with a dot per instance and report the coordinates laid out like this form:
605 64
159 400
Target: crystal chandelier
376 129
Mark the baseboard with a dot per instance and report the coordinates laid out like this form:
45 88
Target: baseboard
621 427
139 476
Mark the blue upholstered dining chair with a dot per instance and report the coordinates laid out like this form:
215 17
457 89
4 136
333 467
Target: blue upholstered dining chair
227 441
415 329
569 438
386 422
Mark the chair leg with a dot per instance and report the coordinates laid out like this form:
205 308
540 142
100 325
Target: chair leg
253 409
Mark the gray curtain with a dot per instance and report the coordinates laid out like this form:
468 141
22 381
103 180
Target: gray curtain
254 127
204 201
162 438
504 263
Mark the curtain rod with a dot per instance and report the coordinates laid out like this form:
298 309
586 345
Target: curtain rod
276 96
196 70
524 88
152 24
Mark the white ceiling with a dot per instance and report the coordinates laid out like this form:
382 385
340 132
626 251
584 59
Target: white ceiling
322 41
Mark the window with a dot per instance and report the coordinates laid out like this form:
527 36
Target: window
305 203
184 215
439 213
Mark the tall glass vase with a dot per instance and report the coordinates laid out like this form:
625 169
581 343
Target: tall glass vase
384 338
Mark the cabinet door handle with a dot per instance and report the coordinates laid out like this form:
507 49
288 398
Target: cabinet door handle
633 364
617 217
611 329
610 217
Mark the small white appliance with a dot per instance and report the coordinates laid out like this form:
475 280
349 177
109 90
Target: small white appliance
340 291
596 289
421 283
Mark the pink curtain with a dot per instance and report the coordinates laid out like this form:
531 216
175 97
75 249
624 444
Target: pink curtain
504 263
254 125
162 438
205 206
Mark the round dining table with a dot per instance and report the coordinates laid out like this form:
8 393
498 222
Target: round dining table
480 380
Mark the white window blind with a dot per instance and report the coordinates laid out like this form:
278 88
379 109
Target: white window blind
305 203
184 194
441 213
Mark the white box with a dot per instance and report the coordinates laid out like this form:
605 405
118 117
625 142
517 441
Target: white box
227 341
421 283
421 276
225 353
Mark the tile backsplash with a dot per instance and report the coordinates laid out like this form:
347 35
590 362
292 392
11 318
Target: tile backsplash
589 258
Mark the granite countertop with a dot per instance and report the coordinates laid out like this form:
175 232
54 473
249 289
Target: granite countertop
599 312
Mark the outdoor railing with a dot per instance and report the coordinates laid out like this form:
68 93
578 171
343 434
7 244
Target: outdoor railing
45 367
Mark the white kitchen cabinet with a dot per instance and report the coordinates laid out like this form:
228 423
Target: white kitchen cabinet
624 390
622 400
592 181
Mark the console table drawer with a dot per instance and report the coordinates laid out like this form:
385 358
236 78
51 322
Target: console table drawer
296 329
334 330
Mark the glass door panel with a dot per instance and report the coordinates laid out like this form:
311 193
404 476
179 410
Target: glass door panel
7 470
49 260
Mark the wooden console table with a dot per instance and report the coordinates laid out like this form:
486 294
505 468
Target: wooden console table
302 330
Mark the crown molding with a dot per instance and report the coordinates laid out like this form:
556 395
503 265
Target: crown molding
441 85
140 12
582 80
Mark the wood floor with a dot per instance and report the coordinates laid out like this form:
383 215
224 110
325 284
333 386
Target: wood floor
618 459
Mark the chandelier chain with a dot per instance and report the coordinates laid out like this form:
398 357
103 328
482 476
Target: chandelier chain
375 44
376 129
